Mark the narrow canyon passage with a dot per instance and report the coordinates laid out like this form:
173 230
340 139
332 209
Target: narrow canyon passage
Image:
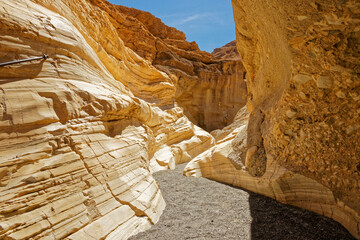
121 96
198 208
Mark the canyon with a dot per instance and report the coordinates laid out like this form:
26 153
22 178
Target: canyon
123 96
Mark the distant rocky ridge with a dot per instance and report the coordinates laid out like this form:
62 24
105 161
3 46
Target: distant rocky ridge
228 51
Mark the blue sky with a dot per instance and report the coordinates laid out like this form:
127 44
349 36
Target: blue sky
210 23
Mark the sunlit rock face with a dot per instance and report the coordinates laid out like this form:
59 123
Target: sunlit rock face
228 51
81 132
301 143
210 89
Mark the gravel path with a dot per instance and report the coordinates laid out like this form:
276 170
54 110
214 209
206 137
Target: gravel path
204 209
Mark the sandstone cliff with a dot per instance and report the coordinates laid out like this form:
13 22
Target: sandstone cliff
301 143
81 132
209 89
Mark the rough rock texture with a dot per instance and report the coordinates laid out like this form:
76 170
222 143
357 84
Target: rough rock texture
301 144
228 51
209 89
78 141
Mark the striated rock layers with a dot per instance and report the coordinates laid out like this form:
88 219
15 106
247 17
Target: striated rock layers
81 132
210 90
301 143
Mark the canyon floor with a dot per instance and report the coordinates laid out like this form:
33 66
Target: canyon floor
198 208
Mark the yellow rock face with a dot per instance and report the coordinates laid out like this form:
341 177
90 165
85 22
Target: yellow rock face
81 131
210 89
301 143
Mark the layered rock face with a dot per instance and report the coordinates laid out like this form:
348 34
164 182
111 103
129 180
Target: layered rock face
301 143
210 90
81 132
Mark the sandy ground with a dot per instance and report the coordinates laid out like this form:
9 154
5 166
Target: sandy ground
205 209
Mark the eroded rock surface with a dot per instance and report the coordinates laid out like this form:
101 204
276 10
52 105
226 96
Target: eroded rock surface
210 90
228 51
301 144
81 132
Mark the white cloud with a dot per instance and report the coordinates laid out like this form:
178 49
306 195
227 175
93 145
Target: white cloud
189 19
180 21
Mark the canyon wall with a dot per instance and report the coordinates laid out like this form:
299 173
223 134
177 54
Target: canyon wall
210 89
301 142
81 132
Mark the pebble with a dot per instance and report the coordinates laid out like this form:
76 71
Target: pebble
302 96
290 113
302 78
301 18
324 82
340 94
352 128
